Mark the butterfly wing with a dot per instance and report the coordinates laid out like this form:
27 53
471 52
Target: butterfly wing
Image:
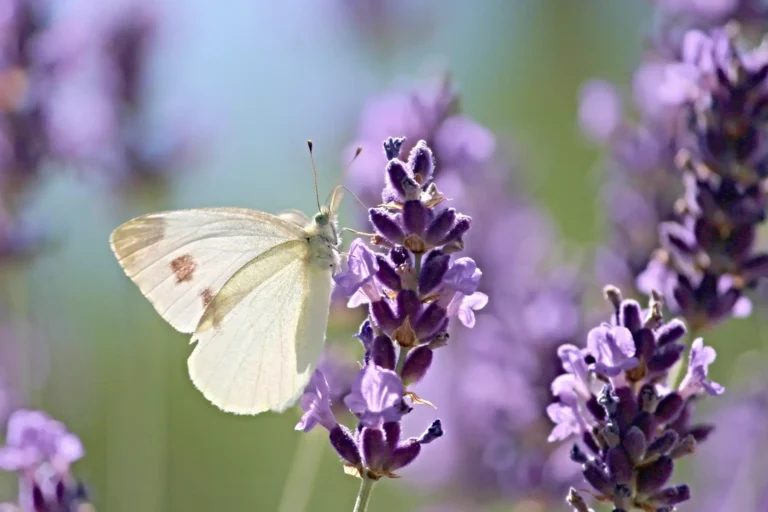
181 259
259 339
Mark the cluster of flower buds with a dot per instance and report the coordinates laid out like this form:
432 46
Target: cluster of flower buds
708 257
615 396
412 286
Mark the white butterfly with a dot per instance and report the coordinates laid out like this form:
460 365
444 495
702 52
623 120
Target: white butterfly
253 288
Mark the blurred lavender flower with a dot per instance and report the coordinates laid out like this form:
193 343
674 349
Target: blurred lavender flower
614 397
411 286
708 256
97 62
41 451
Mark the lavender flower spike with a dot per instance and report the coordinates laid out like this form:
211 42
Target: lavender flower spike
41 450
632 428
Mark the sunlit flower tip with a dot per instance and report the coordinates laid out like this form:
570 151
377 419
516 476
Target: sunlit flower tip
438 229
397 179
695 379
376 397
652 477
386 225
33 438
433 271
416 364
344 444
421 162
383 352
578 503
460 227
358 280
392 147
671 332
416 217
316 404
387 275
671 496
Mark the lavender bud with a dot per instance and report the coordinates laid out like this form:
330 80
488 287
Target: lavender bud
386 225
415 217
611 434
440 226
433 271
408 305
701 432
671 332
646 422
635 444
597 477
344 444
365 335
686 446
421 161
663 444
387 274
653 476
375 450
430 321
671 495
383 315
665 357
391 434
619 465
404 454
630 315
669 407
392 147
645 344
383 352
461 226
416 365
622 497
648 398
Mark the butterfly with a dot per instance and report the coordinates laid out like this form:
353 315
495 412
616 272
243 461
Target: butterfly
253 289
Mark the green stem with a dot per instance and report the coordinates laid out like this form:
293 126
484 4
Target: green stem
676 374
401 360
364 495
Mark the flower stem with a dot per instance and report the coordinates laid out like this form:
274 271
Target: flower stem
299 484
676 374
363 495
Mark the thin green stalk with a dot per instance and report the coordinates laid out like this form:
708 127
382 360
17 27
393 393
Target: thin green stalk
363 495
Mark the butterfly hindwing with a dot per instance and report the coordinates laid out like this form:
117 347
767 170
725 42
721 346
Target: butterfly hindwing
260 337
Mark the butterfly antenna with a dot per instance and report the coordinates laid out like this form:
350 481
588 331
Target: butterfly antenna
346 170
314 173
355 196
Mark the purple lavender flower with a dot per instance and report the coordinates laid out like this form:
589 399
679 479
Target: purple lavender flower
614 398
41 450
411 286
708 256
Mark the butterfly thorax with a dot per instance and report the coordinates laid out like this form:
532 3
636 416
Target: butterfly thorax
323 240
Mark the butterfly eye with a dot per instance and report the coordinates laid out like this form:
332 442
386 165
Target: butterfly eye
321 219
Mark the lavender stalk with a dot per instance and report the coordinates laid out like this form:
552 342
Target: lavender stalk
412 286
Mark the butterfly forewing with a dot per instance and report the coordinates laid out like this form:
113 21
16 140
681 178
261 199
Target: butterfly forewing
181 259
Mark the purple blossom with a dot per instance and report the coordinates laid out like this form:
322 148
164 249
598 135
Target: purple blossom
630 423
376 397
33 438
316 404
357 282
698 366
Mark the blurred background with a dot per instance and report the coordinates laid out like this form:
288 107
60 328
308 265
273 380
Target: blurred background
115 109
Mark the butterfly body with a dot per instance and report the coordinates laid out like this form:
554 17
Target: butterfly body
253 289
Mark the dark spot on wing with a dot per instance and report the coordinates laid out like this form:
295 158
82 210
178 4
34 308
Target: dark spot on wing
183 267
207 296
